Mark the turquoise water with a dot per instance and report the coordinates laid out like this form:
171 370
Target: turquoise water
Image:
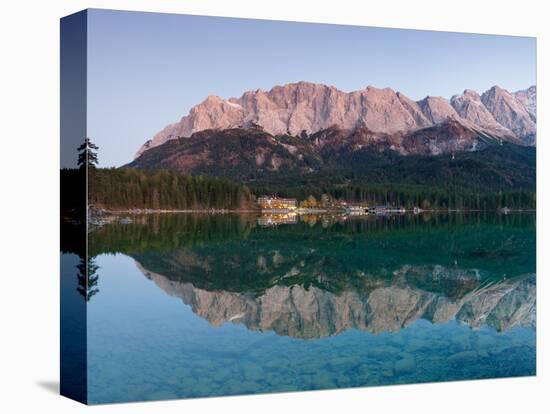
195 306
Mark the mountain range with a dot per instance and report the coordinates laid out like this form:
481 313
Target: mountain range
384 117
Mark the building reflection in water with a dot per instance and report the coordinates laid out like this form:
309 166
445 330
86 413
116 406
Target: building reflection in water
267 220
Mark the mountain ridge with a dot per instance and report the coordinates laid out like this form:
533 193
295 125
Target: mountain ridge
311 107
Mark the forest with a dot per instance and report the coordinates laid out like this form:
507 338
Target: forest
496 177
125 188
406 195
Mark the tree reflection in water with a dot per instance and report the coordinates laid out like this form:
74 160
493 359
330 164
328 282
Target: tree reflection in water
87 278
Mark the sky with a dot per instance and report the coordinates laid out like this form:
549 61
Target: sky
146 70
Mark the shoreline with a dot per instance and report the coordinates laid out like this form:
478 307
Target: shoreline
170 211
299 211
102 217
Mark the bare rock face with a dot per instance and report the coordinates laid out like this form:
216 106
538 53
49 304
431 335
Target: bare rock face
312 107
528 97
212 113
510 113
415 111
469 107
437 109
304 106
384 112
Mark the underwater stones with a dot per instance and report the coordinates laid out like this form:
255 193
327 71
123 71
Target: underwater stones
223 373
463 356
323 380
253 372
405 365
343 362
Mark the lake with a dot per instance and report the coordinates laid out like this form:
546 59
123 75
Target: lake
190 305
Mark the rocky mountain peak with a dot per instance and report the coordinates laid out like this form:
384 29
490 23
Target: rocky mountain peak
311 107
528 97
471 94
415 110
510 112
437 109
470 108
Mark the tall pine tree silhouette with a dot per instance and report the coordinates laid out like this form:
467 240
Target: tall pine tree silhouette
87 155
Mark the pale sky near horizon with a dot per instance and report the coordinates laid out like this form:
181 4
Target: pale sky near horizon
146 70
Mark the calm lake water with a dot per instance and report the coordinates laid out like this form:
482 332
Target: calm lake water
196 306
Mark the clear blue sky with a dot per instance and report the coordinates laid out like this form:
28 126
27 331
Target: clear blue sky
146 70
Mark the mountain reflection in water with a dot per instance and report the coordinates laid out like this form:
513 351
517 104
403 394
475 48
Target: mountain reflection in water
321 276
312 312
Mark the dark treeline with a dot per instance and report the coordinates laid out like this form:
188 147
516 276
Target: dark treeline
127 188
158 189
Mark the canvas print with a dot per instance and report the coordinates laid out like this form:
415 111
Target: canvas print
252 206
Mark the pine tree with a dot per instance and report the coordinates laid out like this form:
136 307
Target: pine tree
87 155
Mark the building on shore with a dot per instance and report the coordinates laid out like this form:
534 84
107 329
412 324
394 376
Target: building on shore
276 203
357 209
